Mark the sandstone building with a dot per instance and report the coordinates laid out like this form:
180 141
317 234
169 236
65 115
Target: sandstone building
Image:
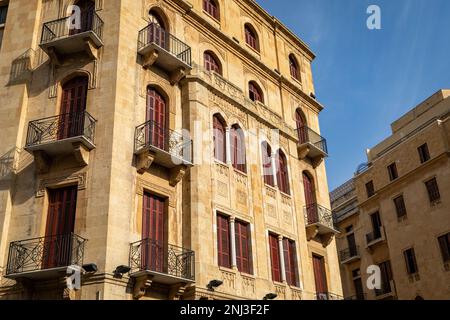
171 148
395 211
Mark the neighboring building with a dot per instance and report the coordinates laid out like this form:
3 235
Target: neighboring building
97 170
395 212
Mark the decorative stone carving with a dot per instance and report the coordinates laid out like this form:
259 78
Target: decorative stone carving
177 174
141 285
176 291
222 189
248 285
144 184
91 49
144 161
229 279
81 154
150 58
177 75
78 178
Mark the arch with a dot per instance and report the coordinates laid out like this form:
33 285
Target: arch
212 62
219 138
255 92
266 151
238 153
157 117
251 36
294 67
310 197
301 125
212 8
157 16
282 172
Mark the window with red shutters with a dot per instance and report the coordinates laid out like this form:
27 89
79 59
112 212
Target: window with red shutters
73 106
302 129
267 164
433 190
238 156
211 63
282 173
251 38
157 117
212 8
293 66
320 276
290 262
243 247
223 241
219 139
255 93
275 257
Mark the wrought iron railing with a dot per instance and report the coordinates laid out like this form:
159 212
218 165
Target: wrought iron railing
45 253
155 256
317 214
386 288
327 296
307 135
151 134
374 235
65 27
153 33
61 127
349 253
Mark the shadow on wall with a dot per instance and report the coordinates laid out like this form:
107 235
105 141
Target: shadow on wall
7 167
22 67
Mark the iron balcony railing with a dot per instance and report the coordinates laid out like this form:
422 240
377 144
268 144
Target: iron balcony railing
45 253
386 288
349 253
153 33
317 214
61 127
155 256
151 134
327 296
374 235
307 135
65 27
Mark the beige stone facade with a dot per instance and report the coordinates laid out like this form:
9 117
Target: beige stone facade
413 203
112 174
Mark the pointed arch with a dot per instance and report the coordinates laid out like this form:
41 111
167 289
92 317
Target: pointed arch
251 37
255 92
157 117
294 67
238 154
212 62
309 188
212 8
300 121
282 172
266 150
219 137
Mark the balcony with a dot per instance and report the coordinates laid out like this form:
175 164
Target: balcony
61 38
349 255
155 144
375 237
327 296
71 133
387 291
160 48
319 222
153 261
44 258
311 145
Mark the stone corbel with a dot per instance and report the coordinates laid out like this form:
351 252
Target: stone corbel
303 151
54 56
81 154
177 75
326 239
91 49
311 232
177 174
42 160
177 291
141 285
316 162
144 161
71 294
150 58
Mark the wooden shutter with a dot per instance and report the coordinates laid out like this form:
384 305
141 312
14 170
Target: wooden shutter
153 232
238 149
400 206
320 275
267 164
275 258
282 173
302 130
290 262
386 276
223 241
73 106
433 190
219 140
310 199
156 114
444 244
243 247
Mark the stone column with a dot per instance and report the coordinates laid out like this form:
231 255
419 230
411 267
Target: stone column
283 267
233 244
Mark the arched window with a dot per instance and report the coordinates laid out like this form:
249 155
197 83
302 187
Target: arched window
156 117
87 8
302 129
238 158
267 164
219 139
251 37
212 8
254 91
282 172
310 198
155 18
294 68
157 30
212 63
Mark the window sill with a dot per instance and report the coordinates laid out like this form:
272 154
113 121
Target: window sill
247 275
214 19
253 50
245 174
286 195
220 163
280 284
297 81
225 269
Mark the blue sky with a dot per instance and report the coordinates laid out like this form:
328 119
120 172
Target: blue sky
368 78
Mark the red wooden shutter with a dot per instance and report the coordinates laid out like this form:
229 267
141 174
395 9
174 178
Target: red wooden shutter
156 114
310 199
243 247
290 262
302 130
59 227
275 257
282 173
223 241
320 275
219 140
238 149
73 105
153 232
267 163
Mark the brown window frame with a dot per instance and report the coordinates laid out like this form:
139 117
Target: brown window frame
251 37
400 206
275 263
219 139
290 262
223 236
433 190
211 7
282 172
266 150
211 63
255 92
393 171
370 189
243 241
410 261
294 68
238 152
444 246
424 153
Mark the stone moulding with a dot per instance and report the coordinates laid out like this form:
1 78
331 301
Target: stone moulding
79 178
